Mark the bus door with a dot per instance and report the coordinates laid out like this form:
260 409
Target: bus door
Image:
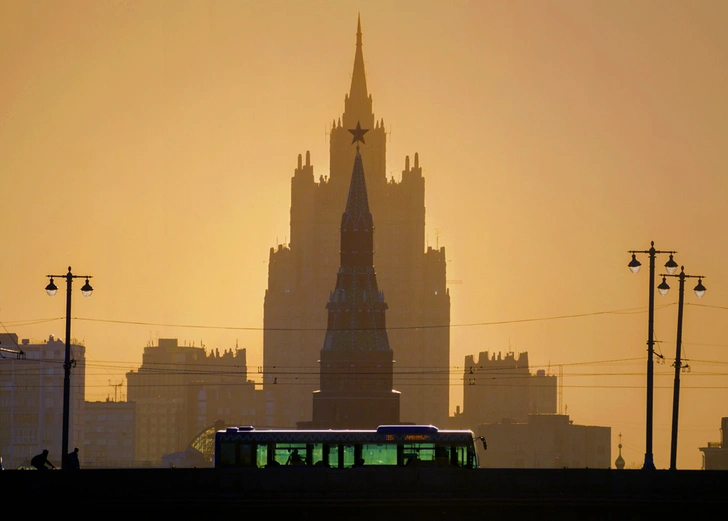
463 456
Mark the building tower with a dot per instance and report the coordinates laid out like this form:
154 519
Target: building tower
302 273
31 399
356 360
498 387
180 390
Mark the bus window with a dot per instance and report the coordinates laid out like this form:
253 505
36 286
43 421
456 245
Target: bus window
262 455
288 454
419 454
227 453
461 456
245 455
332 456
349 456
317 453
379 454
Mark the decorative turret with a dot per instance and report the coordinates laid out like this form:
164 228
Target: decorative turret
304 170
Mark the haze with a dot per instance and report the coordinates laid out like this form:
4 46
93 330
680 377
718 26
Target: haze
151 145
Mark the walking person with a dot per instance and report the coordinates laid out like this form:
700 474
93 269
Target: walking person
73 463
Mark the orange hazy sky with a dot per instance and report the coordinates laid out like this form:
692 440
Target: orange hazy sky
151 144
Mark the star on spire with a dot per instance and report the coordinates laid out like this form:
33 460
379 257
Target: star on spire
358 133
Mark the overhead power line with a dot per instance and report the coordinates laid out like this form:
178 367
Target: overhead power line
500 374
626 311
297 383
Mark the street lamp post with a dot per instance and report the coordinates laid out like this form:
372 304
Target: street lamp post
86 290
634 266
663 288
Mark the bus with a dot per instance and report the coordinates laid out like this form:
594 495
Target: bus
388 445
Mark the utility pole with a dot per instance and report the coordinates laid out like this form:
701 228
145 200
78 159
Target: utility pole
116 386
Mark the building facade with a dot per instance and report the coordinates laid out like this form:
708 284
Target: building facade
499 386
302 273
181 390
545 441
31 400
110 435
715 455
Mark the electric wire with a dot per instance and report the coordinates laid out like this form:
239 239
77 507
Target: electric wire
625 311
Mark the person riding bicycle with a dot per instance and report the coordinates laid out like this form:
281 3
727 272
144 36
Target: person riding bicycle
40 461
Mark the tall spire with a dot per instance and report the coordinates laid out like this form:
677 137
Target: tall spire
356 363
357 215
356 307
358 30
358 90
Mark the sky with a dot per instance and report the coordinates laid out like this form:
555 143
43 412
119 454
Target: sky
151 145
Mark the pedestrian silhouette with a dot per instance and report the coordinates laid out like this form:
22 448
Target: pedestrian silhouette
73 463
40 461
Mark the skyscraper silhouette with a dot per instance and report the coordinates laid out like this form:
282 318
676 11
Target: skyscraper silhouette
302 273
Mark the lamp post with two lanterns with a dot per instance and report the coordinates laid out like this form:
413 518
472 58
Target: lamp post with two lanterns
670 267
52 289
663 288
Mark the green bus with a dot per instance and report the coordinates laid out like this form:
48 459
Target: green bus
388 445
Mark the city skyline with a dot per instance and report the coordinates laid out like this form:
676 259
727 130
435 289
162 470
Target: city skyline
151 145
